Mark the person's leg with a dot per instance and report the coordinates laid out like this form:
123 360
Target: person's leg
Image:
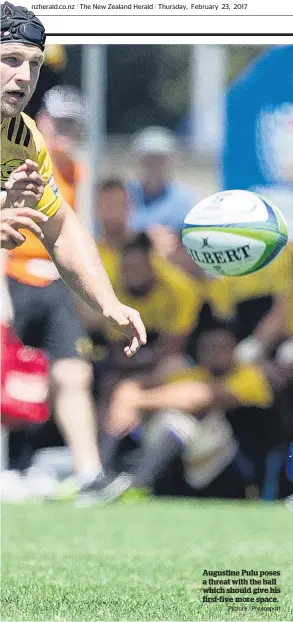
159 448
108 442
166 438
71 383
156 457
28 324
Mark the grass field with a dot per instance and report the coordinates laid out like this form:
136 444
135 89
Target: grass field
138 562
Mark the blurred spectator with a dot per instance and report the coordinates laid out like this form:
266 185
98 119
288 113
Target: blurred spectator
113 209
45 313
121 253
112 212
264 302
215 463
169 304
284 362
62 120
157 198
159 202
167 299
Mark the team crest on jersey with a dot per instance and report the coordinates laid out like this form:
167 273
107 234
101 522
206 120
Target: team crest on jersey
8 167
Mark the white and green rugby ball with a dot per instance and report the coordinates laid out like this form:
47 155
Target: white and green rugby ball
234 232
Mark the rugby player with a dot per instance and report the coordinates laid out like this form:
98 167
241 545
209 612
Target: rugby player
27 179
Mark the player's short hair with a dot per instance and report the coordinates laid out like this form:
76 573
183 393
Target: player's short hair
110 183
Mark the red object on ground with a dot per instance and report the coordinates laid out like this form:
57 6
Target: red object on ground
24 382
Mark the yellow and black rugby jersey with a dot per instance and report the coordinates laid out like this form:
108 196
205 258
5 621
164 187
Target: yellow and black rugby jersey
173 305
283 267
20 139
274 280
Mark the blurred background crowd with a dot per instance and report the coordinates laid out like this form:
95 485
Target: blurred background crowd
175 124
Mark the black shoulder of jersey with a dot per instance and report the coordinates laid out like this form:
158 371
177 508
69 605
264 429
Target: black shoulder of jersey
18 132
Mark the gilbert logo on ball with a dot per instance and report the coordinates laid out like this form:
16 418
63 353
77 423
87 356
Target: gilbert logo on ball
234 232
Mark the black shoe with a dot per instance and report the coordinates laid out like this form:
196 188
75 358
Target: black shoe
104 489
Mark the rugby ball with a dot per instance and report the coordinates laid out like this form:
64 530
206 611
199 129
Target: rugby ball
234 232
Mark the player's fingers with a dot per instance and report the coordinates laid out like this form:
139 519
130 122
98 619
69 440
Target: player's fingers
138 325
30 213
23 181
31 165
35 177
12 237
15 177
25 186
132 347
28 223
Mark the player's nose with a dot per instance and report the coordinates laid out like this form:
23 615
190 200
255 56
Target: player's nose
23 73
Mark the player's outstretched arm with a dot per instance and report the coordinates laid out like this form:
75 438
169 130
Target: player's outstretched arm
76 257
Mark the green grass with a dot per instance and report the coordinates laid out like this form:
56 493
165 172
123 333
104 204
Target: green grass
137 562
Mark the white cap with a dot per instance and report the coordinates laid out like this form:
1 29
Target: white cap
65 102
154 140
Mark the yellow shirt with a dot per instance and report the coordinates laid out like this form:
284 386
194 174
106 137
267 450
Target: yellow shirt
20 139
283 275
172 307
218 293
273 280
111 260
246 382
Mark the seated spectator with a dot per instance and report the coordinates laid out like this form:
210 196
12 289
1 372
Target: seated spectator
185 416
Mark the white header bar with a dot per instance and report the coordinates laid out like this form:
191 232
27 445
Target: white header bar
254 16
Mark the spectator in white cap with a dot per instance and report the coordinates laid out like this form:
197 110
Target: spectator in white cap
159 201
62 118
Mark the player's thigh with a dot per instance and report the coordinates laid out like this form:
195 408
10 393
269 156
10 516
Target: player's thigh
29 312
64 327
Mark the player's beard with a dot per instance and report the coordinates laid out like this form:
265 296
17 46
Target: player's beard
12 109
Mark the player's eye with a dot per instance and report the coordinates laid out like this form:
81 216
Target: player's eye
12 60
35 63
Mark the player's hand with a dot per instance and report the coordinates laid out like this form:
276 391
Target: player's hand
130 324
12 219
25 186
123 413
